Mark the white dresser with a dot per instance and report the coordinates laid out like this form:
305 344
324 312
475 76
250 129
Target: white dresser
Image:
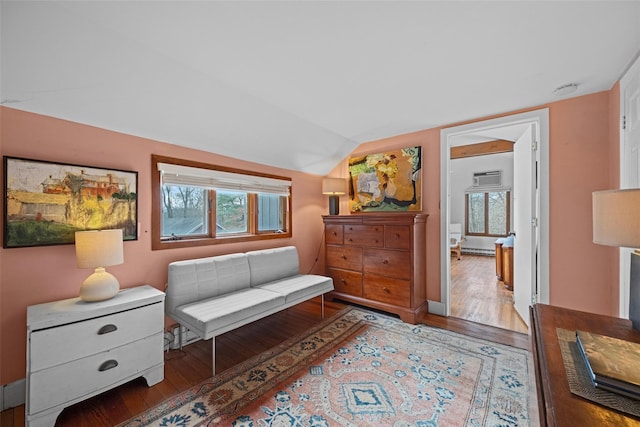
78 349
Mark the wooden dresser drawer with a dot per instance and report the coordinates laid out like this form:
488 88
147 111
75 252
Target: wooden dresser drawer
364 235
54 346
99 371
333 234
348 282
346 257
387 263
387 289
397 236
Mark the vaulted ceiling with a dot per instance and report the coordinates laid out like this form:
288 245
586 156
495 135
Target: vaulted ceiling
300 84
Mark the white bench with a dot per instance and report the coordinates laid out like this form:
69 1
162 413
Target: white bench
211 296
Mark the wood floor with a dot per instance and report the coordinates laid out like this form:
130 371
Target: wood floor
187 367
477 295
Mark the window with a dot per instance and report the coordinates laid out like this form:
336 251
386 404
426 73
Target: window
488 213
199 204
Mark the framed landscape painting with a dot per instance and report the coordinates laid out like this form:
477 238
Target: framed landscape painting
45 203
386 182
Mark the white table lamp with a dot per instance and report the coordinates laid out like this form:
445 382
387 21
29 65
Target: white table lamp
99 249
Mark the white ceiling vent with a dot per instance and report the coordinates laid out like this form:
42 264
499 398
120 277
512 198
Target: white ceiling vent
487 179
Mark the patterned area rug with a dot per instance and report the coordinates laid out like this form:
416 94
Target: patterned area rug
362 368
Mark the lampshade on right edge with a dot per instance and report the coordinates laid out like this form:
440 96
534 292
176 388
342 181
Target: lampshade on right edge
616 218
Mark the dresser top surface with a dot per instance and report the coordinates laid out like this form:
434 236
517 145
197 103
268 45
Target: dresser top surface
56 313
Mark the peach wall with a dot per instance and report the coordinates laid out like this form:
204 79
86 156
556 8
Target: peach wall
581 161
40 274
583 158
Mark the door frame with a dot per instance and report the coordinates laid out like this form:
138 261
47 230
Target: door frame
448 136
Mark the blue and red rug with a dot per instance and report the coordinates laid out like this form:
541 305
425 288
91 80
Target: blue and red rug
363 368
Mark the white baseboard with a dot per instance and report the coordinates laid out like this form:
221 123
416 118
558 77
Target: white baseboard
436 307
12 394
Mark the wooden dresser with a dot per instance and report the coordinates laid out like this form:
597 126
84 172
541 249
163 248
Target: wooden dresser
379 261
558 406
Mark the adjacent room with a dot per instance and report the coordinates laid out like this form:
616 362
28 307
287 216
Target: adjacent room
319 213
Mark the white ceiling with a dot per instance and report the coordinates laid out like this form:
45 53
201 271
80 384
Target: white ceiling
300 84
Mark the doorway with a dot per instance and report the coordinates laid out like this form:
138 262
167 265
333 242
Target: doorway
530 131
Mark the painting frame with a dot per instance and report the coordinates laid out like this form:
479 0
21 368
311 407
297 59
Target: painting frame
46 202
389 181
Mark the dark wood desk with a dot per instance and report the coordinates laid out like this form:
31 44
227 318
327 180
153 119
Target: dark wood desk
558 406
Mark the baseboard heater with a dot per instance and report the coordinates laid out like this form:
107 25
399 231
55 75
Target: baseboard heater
188 337
478 251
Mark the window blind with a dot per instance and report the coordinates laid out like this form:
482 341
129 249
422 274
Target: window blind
188 176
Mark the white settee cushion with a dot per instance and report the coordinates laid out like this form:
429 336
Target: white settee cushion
211 314
300 287
200 279
267 265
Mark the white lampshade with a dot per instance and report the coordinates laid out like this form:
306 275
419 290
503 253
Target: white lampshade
99 249
616 218
334 186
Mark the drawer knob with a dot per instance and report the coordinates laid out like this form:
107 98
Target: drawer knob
109 364
376 240
334 233
386 289
350 239
343 281
397 235
386 261
343 256
107 328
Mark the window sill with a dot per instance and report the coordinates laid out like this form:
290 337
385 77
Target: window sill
207 241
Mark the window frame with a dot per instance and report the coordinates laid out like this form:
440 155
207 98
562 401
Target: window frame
486 213
252 234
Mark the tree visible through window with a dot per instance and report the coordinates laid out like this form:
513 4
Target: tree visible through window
488 213
199 204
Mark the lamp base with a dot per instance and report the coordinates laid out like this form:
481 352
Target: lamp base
334 205
99 286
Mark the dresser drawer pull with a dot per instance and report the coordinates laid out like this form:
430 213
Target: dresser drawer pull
343 281
109 364
107 328
386 261
386 290
343 256
334 233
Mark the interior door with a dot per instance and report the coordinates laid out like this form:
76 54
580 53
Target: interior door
524 223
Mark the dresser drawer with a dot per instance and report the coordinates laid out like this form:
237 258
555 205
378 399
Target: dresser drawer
387 263
346 257
387 289
333 234
67 382
364 235
348 282
54 346
397 236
